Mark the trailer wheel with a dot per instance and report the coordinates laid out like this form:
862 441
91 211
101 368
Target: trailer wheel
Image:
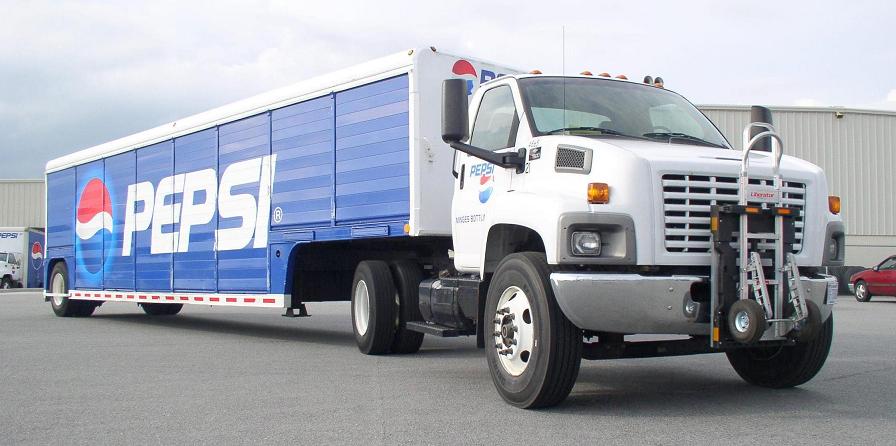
161 309
408 276
746 321
63 306
862 293
535 351
784 366
373 307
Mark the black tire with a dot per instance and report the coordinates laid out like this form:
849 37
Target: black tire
784 366
161 309
5 283
407 276
746 321
377 334
811 327
862 294
63 306
552 365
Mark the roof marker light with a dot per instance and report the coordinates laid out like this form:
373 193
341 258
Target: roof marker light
658 82
586 73
648 80
604 74
535 72
622 76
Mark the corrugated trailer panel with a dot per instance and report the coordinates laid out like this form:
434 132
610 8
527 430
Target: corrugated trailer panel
60 208
241 144
302 137
195 260
120 172
153 270
90 225
22 203
372 143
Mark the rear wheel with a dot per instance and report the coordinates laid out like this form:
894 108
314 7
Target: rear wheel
5 283
535 351
62 305
161 309
408 276
862 293
373 307
784 366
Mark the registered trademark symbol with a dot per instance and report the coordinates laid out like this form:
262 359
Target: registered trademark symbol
278 214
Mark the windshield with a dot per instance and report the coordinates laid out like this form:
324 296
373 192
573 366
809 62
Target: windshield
598 107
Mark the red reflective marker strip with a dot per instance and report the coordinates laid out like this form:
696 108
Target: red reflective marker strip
214 299
155 298
198 299
97 295
118 296
269 301
249 300
169 297
142 297
184 298
231 299
108 296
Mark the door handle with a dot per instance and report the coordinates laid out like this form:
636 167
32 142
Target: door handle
462 175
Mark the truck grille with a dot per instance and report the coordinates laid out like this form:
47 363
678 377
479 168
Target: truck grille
686 202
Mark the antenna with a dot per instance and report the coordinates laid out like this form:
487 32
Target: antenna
563 68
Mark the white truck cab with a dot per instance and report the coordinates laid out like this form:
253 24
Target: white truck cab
604 207
10 270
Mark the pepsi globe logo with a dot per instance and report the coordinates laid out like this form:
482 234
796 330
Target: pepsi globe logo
94 215
465 70
485 187
37 255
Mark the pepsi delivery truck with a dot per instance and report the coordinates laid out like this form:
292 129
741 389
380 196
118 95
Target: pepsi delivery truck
549 217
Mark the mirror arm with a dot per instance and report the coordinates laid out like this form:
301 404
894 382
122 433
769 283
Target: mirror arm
516 160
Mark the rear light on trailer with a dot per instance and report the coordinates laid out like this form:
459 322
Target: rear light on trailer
834 204
598 193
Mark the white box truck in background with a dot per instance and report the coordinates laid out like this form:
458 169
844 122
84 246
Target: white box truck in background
21 257
574 211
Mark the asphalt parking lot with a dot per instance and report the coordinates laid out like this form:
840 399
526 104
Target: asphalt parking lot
231 375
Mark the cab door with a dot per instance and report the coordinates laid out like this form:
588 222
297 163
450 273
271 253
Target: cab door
479 183
885 278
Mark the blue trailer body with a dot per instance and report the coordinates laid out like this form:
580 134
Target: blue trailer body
210 211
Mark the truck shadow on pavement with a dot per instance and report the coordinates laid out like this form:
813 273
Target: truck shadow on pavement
236 328
662 390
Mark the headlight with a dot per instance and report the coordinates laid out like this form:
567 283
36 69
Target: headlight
586 243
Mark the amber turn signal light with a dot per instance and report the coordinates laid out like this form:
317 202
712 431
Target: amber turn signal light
834 204
598 193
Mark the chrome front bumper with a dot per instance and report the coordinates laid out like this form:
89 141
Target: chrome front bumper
633 303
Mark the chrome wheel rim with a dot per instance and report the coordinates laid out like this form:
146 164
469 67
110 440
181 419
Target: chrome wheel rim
742 321
362 308
58 289
514 331
861 291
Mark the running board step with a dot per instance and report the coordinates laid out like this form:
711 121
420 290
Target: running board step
437 330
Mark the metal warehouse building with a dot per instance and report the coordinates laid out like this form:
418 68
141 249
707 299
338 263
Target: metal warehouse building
22 203
857 150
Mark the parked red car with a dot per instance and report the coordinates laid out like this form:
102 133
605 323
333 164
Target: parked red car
877 281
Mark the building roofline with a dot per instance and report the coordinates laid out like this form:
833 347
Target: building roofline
826 109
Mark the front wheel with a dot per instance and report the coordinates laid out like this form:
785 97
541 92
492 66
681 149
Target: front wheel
536 351
862 294
784 366
373 307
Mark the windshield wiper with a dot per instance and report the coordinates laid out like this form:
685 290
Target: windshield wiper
674 135
602 130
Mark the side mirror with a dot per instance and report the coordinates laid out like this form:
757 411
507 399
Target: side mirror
455 127
455 124
876 268
759 113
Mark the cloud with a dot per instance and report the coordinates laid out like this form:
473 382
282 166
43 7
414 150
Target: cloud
79 73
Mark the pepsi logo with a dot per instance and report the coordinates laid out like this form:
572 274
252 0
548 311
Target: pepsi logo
37 255
94 210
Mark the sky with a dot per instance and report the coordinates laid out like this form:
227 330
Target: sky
76 74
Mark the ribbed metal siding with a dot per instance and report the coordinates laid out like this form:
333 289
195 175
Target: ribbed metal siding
22 203
855 151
